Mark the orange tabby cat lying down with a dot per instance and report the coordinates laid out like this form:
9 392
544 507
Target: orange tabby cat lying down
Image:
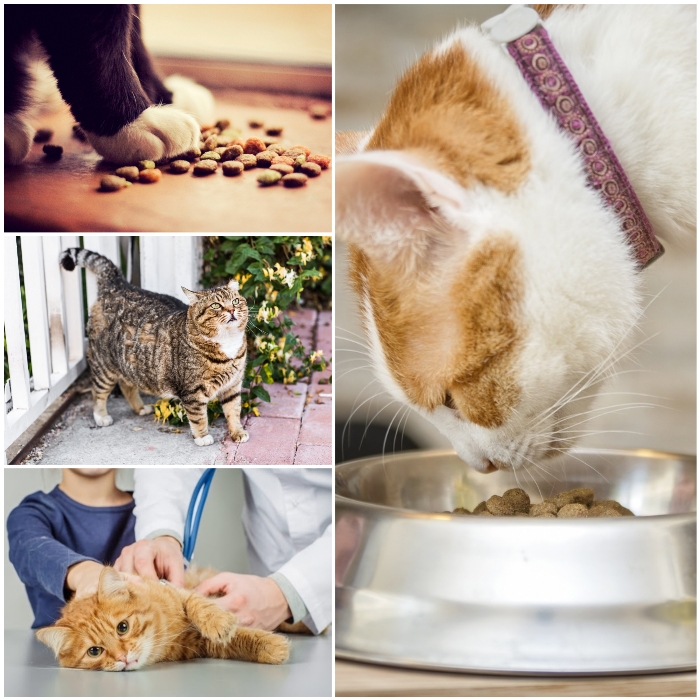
128 624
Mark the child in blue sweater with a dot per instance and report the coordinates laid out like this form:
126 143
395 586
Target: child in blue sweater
60 541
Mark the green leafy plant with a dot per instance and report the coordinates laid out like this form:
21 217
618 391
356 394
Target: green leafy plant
275 273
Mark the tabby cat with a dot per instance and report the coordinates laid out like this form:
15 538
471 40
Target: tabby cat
157 344
495 285
129 624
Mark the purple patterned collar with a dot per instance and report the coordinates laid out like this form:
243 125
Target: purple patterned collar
526 40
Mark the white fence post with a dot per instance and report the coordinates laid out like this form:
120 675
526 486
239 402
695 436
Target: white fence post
35 293
169 263
54 304
14 328
73 305
104 245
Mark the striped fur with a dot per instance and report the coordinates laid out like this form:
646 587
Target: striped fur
164 623
155 343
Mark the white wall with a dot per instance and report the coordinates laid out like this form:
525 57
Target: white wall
221 541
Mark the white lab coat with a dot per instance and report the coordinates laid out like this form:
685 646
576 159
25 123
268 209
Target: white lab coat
286 518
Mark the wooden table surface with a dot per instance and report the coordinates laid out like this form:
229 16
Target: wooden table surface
63 195
367 680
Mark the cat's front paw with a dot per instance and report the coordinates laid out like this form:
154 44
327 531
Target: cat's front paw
18 139
274 649
158 133
103 421
192 98
239 435
146 410
217 625
206 440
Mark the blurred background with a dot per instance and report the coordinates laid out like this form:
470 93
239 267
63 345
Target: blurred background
374 45
221 541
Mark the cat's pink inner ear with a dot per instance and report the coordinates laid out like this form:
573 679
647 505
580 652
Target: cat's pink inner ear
112 585
191 296
233 285
54 637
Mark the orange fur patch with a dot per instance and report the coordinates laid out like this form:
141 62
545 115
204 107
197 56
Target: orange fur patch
545 11
348 141
448 112
456 346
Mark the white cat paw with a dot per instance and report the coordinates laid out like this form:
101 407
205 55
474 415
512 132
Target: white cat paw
103 421
240 436
158 133
206 440
192 98
18 139
146 410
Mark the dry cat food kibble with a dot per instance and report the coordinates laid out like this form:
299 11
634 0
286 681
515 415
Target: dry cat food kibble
269 177
52 151
210 155
294 180
149 175
248 159
180 166
232 167
310 169
282 168
128 172
205 167
146 165
112 183
264 159
576 503
253 146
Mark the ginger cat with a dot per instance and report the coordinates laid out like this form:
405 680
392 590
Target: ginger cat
126 625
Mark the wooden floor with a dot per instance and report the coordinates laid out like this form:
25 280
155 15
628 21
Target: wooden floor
63 195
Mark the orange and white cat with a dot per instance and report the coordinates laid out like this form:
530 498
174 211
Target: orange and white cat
495 286
128 624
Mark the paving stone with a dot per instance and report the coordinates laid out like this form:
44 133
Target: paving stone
313 454
316 425
272 441
287 401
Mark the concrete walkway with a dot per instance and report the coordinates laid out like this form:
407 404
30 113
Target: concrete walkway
294 429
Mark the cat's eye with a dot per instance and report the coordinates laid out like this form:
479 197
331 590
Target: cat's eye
236 302
123 627
216 306
94 651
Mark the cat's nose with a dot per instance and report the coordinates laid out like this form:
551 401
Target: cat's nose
122 658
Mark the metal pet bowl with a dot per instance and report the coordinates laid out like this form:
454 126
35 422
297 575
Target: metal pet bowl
420 588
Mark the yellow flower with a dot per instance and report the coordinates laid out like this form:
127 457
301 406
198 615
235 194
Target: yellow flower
255 411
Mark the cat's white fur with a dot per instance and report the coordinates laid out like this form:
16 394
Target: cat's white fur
636 67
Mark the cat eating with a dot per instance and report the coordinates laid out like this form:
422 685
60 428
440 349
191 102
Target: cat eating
104 73
157 344
129 624
496 287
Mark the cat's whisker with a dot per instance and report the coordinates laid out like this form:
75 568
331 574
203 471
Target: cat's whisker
354 411
578 459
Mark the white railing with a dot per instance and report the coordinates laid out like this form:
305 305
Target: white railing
54 302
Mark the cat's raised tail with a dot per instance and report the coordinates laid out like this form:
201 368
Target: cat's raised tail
103 267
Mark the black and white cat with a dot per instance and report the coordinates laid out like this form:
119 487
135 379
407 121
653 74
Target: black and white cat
104 73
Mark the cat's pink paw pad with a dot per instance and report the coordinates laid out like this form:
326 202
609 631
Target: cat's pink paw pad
18 139
240 436
158 133
274 649
206 440
103 421
146 410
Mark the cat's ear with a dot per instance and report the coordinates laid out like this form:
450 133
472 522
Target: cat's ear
233 285
54 637
193 297
390 203
112 585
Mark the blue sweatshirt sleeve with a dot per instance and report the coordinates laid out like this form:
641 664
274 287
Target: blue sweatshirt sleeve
40 560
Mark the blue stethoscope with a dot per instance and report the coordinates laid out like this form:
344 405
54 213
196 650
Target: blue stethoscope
194 513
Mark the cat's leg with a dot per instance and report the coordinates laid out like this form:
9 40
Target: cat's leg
133 398
199 423
250 644
231 403
88 47
102 384
215 624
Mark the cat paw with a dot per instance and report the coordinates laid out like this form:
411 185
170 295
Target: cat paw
146 410
219 626
274 649
18 139
103 421
158 133
240 436
192 98
206 440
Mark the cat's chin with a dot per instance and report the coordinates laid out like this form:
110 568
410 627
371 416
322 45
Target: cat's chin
158 133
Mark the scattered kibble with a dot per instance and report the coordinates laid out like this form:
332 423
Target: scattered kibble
232 167
211 143
264 159
149 175
128 172
282 168
205 167
276 148
52 151
310 169
255 123
323 161
146 165
318 111
299 162
283 159
43 135
269 177
249 160
179 166
274 130
112 183
222 124
576 503
191 155
253 146
210 155
294 180
232 152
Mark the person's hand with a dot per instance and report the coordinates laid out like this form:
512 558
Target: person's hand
82 578
154 559
256 601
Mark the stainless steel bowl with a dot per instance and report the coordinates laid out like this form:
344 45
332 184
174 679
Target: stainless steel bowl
420 588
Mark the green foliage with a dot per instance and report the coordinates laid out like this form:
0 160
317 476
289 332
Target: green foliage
275 273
